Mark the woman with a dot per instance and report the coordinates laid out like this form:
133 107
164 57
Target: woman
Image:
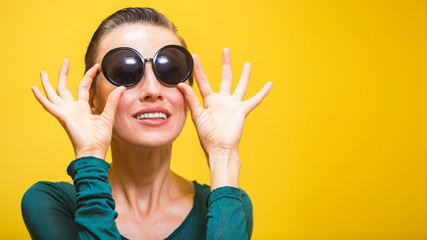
138 105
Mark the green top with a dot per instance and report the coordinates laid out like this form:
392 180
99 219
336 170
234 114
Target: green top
85 210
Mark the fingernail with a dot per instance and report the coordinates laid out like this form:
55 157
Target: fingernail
180 87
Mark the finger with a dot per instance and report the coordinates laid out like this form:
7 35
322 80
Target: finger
112 102
48 89
242 86
48 105
86 83
201 79
62 87
256 100
226 75
191 99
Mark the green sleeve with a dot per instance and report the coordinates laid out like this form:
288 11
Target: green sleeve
230 214
95 214
50 212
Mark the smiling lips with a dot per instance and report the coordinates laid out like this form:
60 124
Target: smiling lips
152 116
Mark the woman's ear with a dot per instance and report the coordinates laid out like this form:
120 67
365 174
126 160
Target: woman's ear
92 102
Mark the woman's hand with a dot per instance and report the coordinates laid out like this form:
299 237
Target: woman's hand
220 122
90 134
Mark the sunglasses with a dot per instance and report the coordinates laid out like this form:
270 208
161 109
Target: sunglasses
124 66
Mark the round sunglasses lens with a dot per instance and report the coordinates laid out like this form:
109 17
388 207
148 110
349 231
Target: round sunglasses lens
124 68
172 65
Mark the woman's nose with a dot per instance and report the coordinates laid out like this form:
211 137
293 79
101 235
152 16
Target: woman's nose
151 88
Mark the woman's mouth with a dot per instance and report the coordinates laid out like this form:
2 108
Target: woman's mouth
156 115
153 117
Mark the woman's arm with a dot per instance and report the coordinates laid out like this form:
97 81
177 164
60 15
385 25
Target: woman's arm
90 135
219 124
95 215
48 211
63 211
220 121
230 214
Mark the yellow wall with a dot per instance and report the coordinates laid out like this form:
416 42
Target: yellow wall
336 151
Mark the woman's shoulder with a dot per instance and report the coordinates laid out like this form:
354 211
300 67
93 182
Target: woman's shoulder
48 210
203 191
204 197
48 194
46 187
207 189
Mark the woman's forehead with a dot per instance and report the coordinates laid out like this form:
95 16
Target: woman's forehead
145 38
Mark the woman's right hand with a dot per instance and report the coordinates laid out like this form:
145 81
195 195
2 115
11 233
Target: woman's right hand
90 134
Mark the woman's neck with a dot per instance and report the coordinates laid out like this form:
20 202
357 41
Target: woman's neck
141 177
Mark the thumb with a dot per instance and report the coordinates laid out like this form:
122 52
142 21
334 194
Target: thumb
190 98
112 102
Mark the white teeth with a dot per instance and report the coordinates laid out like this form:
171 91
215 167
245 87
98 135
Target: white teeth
152 115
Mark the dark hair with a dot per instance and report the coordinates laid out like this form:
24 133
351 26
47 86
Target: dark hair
126 16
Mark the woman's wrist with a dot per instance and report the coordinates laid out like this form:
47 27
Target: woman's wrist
224 167
90 153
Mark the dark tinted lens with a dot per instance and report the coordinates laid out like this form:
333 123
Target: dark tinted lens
123 67
172 65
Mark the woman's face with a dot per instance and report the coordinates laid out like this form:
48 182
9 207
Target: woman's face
148 96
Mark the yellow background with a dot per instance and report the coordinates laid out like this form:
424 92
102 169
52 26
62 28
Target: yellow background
337 150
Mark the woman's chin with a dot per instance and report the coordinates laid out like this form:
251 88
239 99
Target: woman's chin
143 143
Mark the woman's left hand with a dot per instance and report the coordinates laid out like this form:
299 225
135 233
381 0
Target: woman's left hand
220 122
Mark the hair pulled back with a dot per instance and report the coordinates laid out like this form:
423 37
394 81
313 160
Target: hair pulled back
128 16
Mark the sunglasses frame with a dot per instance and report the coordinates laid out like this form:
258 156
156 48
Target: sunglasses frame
144 60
